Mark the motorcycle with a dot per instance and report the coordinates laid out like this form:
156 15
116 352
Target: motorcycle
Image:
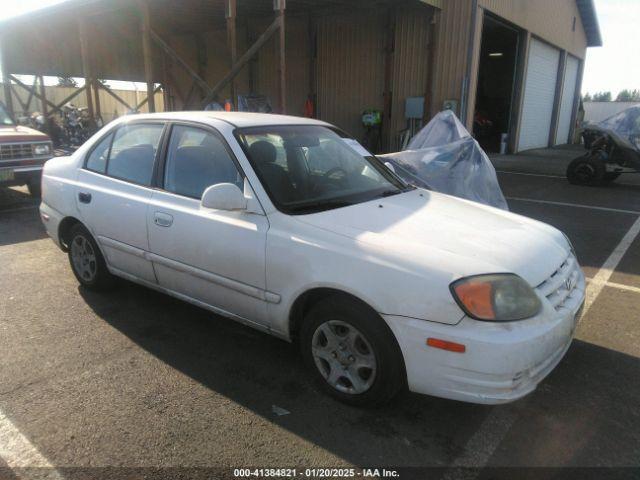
613 149
75 124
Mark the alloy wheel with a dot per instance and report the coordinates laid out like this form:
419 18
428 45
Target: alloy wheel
84 258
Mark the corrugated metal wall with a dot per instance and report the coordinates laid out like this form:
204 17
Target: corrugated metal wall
451 51
551 20
410 65
350 68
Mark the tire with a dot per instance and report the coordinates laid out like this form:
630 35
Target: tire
587 170
86 260
360 337
35 189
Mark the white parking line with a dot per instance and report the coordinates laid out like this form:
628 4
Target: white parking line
19 453
574 205
619 286
483 443
600 279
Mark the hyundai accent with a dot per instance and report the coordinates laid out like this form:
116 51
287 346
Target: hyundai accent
290 226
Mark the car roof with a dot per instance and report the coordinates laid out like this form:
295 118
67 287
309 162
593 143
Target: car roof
237 119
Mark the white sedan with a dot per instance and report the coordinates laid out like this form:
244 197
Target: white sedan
288 225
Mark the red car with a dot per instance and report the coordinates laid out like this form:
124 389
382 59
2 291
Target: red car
23 152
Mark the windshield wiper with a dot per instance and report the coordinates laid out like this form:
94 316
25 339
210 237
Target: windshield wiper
389 193
319 206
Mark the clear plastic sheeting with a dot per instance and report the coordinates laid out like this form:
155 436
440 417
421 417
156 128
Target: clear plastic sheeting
444 157
625 125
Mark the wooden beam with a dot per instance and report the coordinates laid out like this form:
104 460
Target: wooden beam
172 54
33 88
86 64
6 79
144 101
21 84
232 42
313 62
114 95
243 61
96 95
58 107
43 92
145 27
23 105
431 65
280 6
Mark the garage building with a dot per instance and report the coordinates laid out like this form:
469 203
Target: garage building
510 69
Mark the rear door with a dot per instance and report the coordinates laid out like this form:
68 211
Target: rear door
212 256
114 189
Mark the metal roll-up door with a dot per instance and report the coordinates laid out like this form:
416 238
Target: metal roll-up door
539 95
565 116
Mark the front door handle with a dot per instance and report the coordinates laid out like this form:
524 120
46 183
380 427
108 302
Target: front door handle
162 219
84 197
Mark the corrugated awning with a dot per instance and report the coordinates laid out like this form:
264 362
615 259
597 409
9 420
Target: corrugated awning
590 22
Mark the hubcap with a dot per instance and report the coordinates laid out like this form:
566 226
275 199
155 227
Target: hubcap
344 357
585 172
84 258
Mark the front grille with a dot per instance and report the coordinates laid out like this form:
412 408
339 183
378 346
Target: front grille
16 151
560 287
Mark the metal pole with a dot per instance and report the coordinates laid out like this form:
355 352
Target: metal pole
233 43
86 65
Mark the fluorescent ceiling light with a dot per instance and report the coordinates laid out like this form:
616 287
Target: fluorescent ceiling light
496 54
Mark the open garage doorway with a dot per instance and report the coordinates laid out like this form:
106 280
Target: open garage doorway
496 79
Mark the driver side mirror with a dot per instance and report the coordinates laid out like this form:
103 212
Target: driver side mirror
224 196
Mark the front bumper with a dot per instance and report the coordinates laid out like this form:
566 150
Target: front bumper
502 362
14 176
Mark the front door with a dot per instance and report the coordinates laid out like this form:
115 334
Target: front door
114 189
214 257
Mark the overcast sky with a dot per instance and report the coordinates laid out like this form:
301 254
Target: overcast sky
614 67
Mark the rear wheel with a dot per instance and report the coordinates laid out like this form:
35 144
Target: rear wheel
87 262
352 353
586 170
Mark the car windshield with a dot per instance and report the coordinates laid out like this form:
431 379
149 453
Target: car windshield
5 118
309 168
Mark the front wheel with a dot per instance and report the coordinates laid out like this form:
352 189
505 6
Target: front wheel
587 170
352 353
87 262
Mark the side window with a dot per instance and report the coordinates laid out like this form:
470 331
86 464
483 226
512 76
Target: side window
97 160
196 160
133 152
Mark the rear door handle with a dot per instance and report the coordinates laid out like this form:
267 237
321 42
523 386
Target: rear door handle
84 197
162 219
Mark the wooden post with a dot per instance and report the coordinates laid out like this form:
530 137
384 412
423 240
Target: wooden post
86 65
232 40
313 60
96 94
6 80
145 24
279 6
431 64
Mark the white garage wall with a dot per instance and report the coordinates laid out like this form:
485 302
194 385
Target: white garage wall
539 95
567 101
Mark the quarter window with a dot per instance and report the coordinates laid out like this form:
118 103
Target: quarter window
133 152
196 160
97 160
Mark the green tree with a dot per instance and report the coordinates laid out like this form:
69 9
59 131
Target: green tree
587 97
602 97
67 82
628 96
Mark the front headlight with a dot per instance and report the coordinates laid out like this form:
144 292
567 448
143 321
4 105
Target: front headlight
42 149
500 297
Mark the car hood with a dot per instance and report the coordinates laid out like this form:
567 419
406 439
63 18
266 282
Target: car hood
20 133
422 225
